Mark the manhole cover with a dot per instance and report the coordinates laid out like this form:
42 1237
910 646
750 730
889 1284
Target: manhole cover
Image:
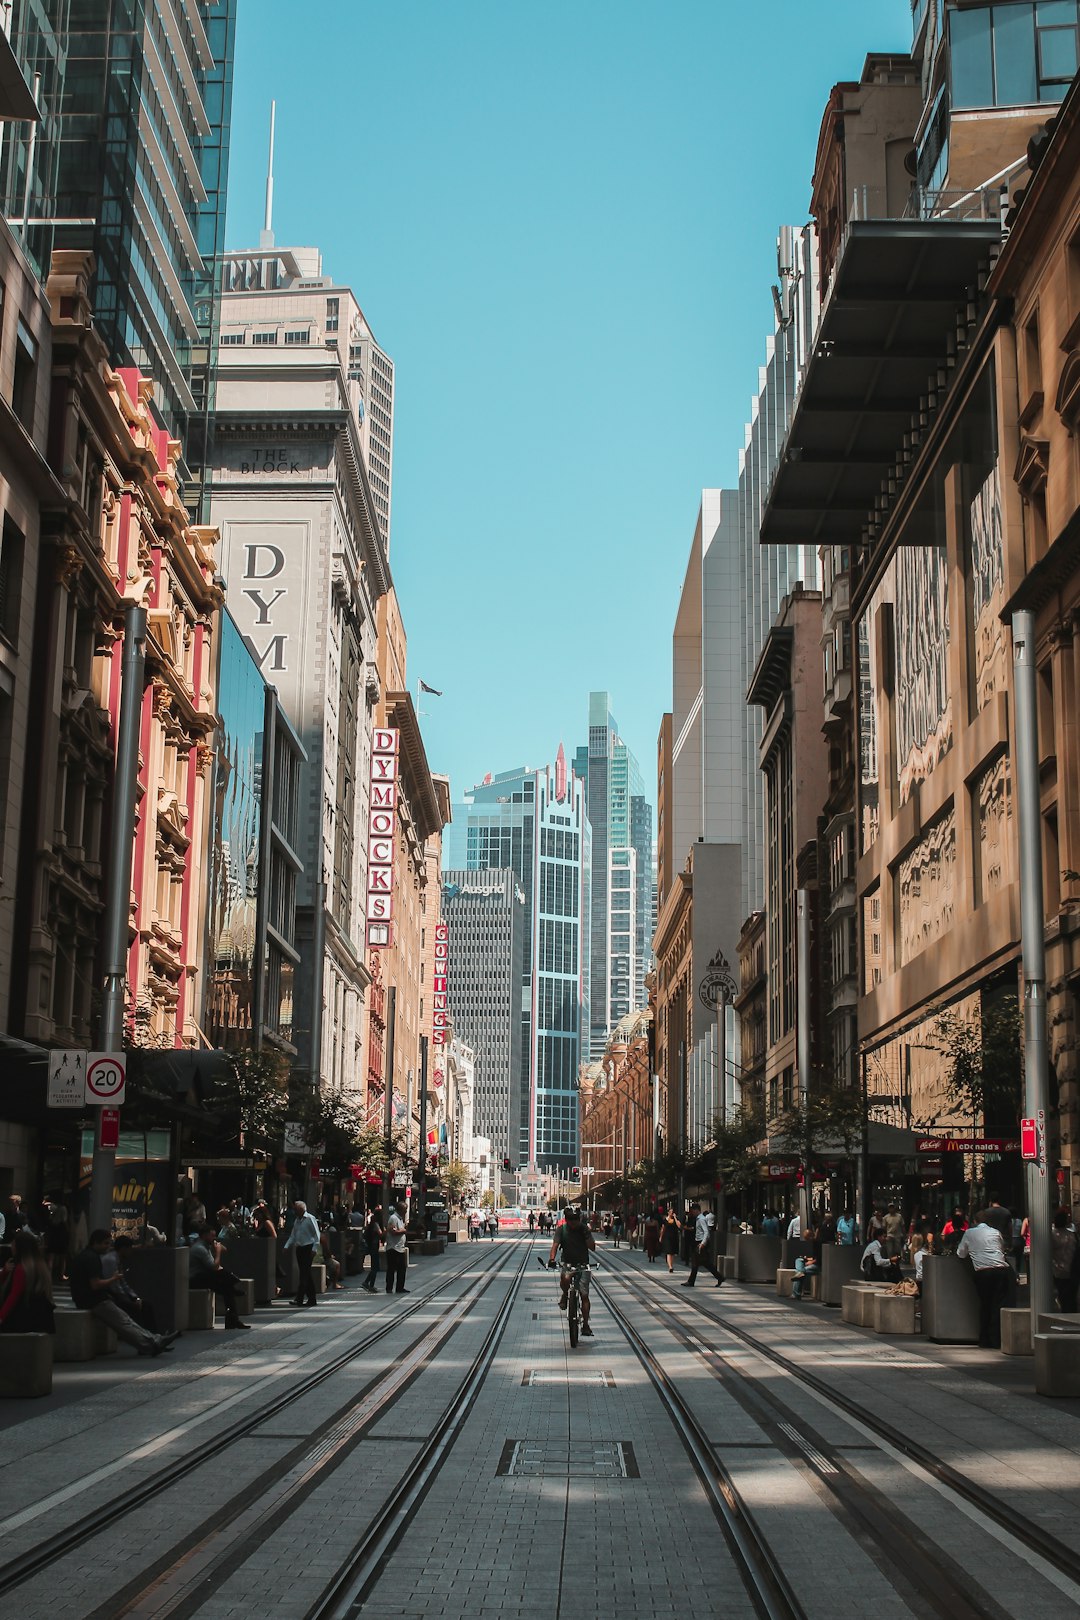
582 1459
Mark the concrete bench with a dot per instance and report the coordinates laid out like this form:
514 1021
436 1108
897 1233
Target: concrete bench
74 1339
318 1277
105 1341
26 1364
1016 1331
200 1310
1057 1365
1058 1322
245 1298
726 1267
427 1246
785 1277
851 1308
894 1313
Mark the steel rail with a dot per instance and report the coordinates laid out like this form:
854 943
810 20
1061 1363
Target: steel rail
1056 1553
769 1589
856 1503
16 1571
344 1594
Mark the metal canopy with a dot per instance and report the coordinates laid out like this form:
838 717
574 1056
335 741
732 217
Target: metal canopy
884 330
16 98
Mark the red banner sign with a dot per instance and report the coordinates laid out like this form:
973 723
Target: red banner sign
968 1144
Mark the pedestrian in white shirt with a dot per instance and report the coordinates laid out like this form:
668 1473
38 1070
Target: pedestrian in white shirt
795 1226
700 1256
397 1254
303 1238
984 1246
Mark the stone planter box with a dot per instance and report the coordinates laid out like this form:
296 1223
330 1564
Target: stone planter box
895 1313
791 1249
950 1303
160 1277
785 1277
851 1305
756 1259
839 1265
1057 1365
74 1337
255 1257
1016 1332
200 1311
245 1299
1058 1322
26 1364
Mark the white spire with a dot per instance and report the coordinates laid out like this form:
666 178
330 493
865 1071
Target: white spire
266 236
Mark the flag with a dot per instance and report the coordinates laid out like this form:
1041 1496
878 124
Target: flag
424 687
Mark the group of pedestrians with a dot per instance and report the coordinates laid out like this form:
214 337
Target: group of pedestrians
479 1223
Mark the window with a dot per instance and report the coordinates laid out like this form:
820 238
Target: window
298 337
332 314
1013 54
11 557
264 338
24 386
230 340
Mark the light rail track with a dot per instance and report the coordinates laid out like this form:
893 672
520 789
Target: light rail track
25 1566
766 1582
1065 1560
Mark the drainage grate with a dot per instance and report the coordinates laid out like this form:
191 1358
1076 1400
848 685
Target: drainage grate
582 1459
537 1375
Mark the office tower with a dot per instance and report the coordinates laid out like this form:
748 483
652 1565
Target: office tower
621 912
485 913
131 161
279 298
535 823
305 565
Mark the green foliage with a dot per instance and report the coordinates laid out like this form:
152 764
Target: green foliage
734 1159
455 1178
487 1200
253 1090
830 1117
337 1127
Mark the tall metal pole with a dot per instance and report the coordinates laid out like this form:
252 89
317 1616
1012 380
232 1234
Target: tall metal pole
118 894
421 1191
802 1040
1033 946
388 1095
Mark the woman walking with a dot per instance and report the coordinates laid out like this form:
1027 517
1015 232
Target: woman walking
650 1235
669 1239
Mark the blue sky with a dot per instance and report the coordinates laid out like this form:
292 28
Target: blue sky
560 221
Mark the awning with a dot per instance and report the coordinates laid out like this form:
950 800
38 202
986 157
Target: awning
884 331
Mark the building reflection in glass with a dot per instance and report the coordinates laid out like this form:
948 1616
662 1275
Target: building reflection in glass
237 827
921 631
926 887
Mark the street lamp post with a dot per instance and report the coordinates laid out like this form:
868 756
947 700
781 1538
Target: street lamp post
716 991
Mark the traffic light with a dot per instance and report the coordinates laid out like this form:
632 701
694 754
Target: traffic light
506 1163
575 1172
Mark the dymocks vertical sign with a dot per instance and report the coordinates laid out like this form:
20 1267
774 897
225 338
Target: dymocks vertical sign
440 1019
382 829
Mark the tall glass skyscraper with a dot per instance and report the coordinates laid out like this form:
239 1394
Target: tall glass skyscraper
534 822
131 161
622 906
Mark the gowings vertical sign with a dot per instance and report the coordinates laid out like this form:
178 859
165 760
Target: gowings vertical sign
440 1018
382 836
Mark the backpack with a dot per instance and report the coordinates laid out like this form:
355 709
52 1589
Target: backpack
867 1266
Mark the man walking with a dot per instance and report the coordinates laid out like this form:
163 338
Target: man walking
304 1238
700 1249
91 1290
397 1255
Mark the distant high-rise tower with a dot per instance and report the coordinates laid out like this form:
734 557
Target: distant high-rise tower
622 910
485 913
131 162
535 823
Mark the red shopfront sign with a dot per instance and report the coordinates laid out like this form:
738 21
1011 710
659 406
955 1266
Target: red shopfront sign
440 1018
382 836
968 1144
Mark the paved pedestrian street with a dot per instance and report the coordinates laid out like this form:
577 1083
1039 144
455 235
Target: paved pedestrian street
446 1453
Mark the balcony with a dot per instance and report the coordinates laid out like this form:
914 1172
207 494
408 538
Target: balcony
899 309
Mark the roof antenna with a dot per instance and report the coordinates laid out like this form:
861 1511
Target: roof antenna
266 235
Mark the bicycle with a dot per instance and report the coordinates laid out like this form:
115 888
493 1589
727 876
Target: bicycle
573 1296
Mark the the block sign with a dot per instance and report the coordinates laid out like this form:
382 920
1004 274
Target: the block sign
441 1016
382 836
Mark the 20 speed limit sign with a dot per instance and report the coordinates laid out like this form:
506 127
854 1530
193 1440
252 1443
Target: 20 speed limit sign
106 1076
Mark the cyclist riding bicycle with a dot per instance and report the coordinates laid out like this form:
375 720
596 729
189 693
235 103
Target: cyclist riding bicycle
575 1241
